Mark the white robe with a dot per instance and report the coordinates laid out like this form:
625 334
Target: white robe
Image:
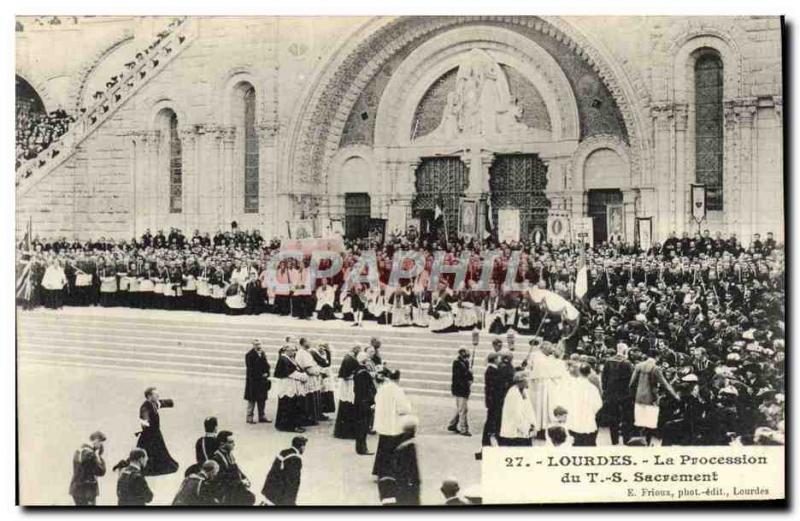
586 402
541 374
518 417
390 404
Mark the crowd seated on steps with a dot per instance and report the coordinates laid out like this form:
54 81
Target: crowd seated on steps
37 130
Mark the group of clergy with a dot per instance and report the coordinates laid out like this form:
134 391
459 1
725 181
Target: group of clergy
542 396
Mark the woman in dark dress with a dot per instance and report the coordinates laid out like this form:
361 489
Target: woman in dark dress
159 461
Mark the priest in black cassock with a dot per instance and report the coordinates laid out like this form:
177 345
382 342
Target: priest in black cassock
159 460
345 427
283 480
405 464
291 413
322 356
364 398
400 484
231 486
257 382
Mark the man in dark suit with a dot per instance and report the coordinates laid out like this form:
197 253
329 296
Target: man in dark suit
257 383
618 403
132 488
460 388
283 479
494 392
87 466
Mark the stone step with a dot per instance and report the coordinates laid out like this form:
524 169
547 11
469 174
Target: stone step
25 356
222 341
263 324
230 363
214 345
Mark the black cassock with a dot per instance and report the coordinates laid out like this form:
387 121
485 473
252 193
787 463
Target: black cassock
346 419
283 479
159 460
400 485
227 487
406 473
364 390
290 408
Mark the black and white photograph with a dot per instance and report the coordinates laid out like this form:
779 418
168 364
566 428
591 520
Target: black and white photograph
367 261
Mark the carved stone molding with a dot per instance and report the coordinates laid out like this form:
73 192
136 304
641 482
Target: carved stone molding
315 139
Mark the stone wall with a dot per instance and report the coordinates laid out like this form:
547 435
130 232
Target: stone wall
114 184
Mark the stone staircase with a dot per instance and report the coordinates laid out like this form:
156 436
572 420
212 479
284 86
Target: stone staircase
200 344
32 171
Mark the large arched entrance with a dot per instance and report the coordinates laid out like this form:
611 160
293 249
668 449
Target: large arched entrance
490 109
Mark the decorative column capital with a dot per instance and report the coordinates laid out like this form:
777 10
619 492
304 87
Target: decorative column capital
662 113
266 131
223 133
681 115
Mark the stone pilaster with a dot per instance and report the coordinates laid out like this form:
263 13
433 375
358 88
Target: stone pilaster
663 114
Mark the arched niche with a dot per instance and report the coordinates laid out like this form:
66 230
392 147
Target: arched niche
431 60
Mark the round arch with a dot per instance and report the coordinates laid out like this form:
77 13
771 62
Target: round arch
590 145
226 89
315 133
40 87
439 54
91 64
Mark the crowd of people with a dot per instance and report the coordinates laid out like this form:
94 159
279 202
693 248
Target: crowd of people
680 344
36 131
371 401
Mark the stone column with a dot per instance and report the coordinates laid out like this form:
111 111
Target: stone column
629 198
226 137
662 114
682 190
745 111
189 185
267 134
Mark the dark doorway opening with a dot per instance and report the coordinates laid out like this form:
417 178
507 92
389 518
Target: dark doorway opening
598 201
356 215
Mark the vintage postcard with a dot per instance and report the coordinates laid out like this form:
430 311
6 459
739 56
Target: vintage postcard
399 260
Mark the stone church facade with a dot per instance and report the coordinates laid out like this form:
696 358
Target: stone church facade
270 121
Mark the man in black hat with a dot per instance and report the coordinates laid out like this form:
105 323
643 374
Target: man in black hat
283 479
87 466
257 383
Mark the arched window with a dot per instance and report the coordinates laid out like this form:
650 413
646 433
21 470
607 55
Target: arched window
173 155
708 80
250 152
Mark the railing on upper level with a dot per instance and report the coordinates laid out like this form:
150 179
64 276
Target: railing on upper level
144 66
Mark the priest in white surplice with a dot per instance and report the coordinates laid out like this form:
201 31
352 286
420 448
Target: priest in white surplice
586 402
391 405
518 423
541 372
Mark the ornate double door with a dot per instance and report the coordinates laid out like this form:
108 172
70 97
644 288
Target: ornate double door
519 181
443 180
